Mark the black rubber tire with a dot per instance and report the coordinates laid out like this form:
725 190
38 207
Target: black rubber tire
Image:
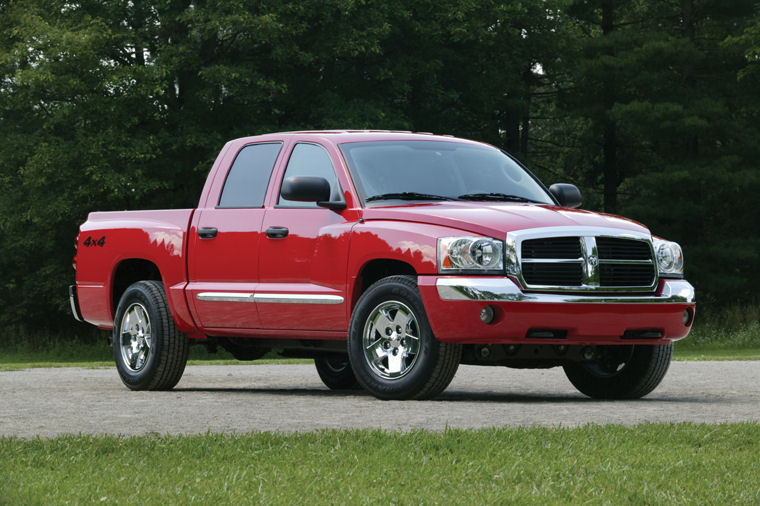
168 354
436 362
336 373
642 371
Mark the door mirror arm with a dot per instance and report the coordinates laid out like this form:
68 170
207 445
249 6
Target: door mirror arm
332 204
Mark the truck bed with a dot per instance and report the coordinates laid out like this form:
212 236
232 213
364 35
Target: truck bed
108 241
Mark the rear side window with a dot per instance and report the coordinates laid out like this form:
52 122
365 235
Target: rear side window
247 181
310 160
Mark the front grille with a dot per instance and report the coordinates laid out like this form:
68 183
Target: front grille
587 263
570 274
626 274
552 247
622 249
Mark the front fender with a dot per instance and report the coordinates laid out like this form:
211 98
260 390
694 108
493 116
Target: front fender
412 243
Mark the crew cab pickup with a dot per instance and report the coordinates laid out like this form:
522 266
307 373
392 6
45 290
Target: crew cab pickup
389 258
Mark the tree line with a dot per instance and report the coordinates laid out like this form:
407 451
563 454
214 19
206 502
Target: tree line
651 107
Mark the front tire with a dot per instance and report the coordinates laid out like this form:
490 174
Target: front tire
149 351
391 346
622 372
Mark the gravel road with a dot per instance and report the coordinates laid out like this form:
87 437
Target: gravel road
51 402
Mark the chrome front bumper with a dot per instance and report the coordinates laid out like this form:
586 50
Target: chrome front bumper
505 290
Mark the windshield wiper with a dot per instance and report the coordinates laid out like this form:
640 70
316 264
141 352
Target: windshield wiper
406 196
497 196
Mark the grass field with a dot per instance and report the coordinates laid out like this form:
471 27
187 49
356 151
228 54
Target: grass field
729 334
646 464
77 354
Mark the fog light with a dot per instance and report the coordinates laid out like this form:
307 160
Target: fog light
486 315
688 314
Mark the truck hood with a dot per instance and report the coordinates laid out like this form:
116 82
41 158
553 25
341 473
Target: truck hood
495 219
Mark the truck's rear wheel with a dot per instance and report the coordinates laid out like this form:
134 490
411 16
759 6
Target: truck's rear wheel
336 373
622 372
149 351
391 346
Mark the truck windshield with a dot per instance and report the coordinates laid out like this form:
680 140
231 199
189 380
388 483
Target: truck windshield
399 170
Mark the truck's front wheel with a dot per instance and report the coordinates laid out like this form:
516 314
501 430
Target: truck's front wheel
622 372
391 346
150 352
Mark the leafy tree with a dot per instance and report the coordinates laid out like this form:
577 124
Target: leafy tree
651 120
650 106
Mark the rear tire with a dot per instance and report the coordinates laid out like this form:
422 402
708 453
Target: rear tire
336 373
149 351
391 346
623 372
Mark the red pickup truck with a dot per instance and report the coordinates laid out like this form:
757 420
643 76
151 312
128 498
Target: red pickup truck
389 258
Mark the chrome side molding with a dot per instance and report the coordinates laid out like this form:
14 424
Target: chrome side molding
297 298
272 298
225 296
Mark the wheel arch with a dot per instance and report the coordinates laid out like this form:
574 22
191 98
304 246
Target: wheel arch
129 271
381 248
376 269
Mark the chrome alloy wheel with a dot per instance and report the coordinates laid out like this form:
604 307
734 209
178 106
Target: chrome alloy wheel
136 341
391 340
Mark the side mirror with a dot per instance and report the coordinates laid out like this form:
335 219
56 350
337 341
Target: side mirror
305 189
310 189
568 195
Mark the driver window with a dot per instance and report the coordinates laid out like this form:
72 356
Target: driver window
310 160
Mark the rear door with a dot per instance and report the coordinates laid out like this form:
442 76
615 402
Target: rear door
223 260
304 251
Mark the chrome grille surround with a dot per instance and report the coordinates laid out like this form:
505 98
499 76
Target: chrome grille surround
589 261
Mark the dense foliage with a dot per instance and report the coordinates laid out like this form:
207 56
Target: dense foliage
651 107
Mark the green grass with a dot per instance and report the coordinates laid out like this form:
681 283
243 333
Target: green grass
72 353
646 464
731 333
715 353
17 366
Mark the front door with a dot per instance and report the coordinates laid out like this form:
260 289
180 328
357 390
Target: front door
304 252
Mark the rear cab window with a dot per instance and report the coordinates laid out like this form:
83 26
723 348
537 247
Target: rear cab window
248 178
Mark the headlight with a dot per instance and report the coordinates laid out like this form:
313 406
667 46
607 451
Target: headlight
669 257
463 254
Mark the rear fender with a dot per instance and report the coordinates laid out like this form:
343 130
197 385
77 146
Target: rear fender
107 240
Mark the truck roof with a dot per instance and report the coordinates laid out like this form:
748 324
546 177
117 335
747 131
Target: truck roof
342 136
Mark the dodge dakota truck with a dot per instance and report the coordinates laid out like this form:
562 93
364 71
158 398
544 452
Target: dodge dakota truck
389 258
